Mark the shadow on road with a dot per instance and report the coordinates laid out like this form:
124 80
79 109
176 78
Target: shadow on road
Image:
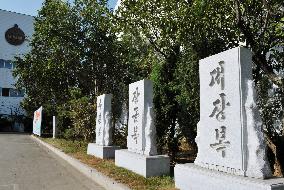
15 133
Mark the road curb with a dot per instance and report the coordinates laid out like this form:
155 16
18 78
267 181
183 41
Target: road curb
93 174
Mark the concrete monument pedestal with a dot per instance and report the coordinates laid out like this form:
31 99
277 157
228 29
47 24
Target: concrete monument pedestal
146 166
104 152
193 177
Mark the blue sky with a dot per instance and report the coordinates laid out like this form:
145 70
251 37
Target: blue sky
29 7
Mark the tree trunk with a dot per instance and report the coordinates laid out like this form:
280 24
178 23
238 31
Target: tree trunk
277 165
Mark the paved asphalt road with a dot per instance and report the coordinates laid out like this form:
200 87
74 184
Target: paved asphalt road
24 165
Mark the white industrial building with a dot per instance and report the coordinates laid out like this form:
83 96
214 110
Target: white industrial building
15 31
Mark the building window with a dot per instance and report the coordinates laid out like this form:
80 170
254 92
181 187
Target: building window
16 93
6 64
21 93
5 92
2 63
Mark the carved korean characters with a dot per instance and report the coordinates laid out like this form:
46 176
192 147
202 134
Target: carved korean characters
103 121
141 128
218 79
221 130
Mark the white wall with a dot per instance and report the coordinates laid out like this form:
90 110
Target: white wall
8 51
8 20
11 105
6 78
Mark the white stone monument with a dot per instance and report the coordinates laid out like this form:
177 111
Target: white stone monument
231 147
103 147
53 127
141 156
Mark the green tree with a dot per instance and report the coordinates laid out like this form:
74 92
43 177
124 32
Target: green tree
72 48
51 68
81 113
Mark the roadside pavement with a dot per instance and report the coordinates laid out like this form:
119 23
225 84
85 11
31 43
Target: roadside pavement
24 165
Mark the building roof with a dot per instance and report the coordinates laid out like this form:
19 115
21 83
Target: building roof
15 12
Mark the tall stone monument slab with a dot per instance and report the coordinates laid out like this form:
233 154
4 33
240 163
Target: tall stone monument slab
103 147
231 146
141 155
54 131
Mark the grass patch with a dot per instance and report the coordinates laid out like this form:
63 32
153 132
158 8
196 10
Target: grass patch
134 181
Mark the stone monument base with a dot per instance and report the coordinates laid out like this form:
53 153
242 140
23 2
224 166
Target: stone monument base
146 166
104 152
193 177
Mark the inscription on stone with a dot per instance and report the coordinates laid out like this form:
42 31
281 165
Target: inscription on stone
103 122
221 144
219 108
135 100
217 76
